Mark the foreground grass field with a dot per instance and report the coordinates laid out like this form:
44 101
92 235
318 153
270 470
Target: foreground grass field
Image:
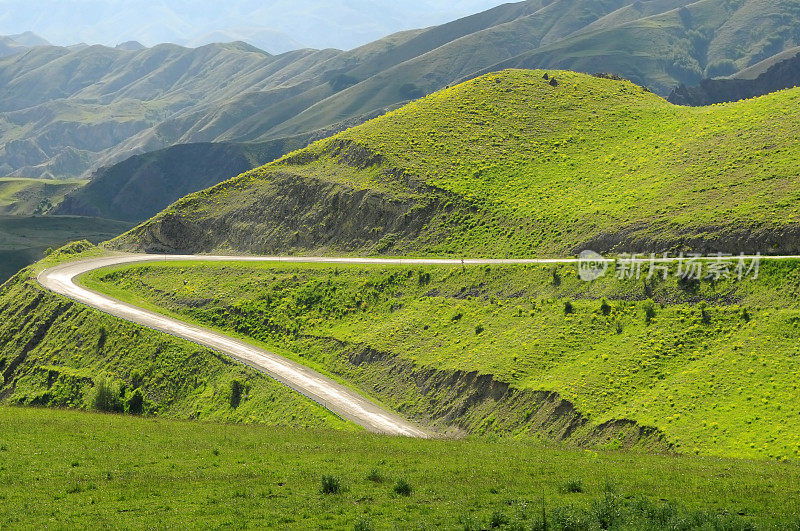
66 469
712 364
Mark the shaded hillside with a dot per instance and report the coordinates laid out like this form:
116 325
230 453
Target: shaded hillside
516 164
65 112
143 185
778 75
24 239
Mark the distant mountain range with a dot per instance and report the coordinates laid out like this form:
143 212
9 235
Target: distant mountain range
776 73
65 112
15 44
276 26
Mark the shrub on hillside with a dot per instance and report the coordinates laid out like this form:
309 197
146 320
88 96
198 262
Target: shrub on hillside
375 476
568 308
331 485
649 309
135 403
573 486
237 389
402 488
106 395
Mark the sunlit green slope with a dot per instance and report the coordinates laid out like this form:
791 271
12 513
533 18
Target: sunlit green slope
517 164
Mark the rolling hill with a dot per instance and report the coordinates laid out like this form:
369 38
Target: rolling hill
67 112
27 197
519 163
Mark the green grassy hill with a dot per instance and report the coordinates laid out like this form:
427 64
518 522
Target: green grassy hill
510 165
25 197
706 367
99 471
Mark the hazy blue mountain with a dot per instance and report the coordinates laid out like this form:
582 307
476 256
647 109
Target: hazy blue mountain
273 25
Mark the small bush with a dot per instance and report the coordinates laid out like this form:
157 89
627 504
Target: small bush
745 315
375 476
402 488
424 278
105 396
556 277
135 403
457 317
331 485
479 329
618 328
498 519
236 393
705 317
605 307
573 486
649 309
568 308
136 378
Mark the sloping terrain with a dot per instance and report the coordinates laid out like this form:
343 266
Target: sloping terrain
17 44
65 112
143 185
777 73
26 197
516 164
661 49
691 366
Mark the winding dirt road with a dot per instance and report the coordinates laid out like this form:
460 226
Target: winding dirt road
335 397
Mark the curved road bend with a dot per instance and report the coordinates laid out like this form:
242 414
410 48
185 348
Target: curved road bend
325 391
